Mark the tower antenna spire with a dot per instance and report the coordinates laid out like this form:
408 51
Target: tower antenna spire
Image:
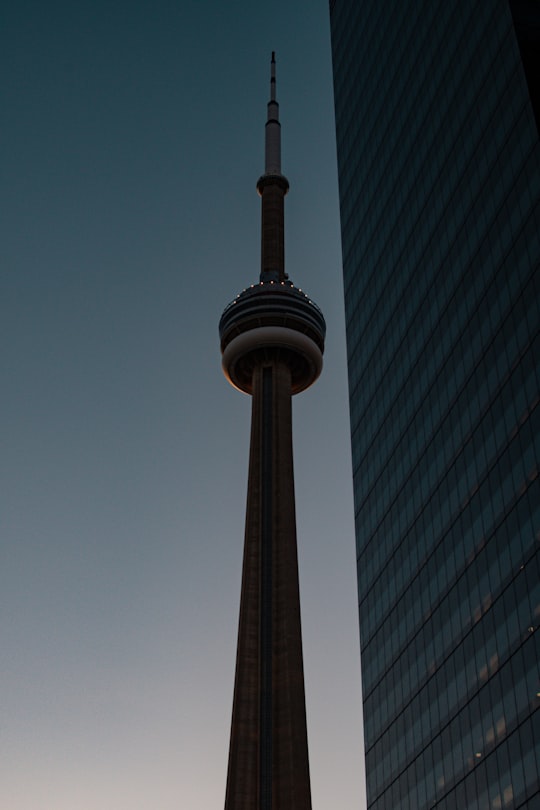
272 152
272 187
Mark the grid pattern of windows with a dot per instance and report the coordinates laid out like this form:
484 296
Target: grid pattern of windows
439 175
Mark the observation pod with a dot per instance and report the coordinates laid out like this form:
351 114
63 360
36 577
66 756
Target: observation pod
272 320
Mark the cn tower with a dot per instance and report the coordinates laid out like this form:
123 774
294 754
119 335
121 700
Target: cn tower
272 343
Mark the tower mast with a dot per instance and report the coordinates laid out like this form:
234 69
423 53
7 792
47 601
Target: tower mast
272 187
272 342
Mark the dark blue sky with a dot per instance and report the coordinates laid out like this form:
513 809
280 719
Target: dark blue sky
132 139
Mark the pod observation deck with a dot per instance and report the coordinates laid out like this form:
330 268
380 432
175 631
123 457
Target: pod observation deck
269 320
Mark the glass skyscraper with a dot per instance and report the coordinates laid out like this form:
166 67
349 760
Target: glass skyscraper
439 174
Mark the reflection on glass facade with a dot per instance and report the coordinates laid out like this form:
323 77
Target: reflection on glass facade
439 174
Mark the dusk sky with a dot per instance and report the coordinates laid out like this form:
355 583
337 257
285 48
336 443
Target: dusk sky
132 138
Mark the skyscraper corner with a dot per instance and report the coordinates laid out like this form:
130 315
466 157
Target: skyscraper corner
437 110
272 342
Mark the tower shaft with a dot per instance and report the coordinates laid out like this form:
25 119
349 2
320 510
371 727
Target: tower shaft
268 757
272 190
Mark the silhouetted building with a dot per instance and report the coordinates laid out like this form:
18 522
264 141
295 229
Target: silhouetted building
439 178
272 340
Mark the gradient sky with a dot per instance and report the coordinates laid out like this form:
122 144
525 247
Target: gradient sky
132 139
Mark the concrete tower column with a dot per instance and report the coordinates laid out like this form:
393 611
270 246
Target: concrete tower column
268 753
